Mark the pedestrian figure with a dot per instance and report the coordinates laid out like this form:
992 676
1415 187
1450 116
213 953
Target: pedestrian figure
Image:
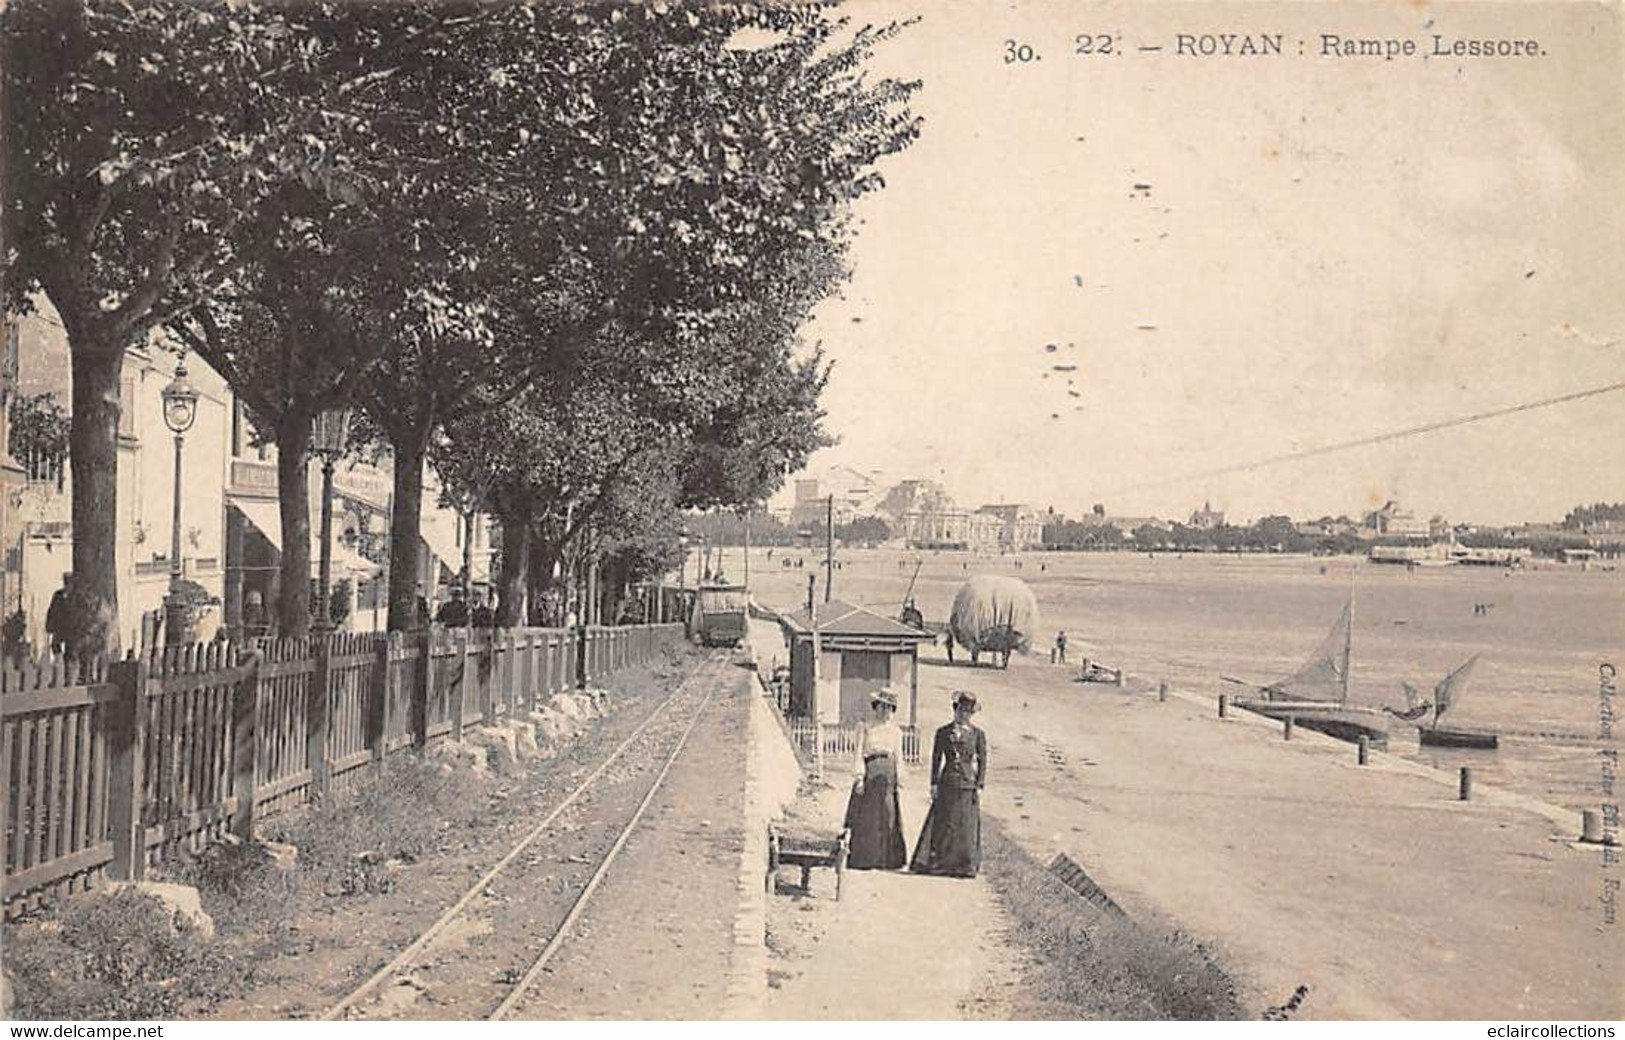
1060 645
454 612
951 840
950 646
872 812
482 615
254 625
58 618
423 609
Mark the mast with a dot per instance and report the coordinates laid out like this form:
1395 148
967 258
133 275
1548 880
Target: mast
1348 633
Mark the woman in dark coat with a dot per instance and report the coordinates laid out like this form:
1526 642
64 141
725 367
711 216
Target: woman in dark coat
872 813
951 840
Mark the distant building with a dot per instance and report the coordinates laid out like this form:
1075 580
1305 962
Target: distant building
1206 518
1393 522
855 494
1008 527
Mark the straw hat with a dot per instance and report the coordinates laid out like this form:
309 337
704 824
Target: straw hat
964 699
886 696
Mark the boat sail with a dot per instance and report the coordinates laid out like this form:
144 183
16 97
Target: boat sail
1445 696
1325 676
1316 696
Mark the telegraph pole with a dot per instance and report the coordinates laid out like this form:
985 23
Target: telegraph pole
829 547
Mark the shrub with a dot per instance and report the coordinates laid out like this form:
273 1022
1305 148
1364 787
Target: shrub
117 956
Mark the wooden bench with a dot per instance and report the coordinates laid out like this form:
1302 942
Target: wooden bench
807 850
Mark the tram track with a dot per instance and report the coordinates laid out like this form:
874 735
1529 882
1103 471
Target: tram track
487 951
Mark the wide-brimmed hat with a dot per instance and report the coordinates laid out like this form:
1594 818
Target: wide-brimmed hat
885 696
964 699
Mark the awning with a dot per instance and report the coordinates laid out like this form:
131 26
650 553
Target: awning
442 542
267 518
441 539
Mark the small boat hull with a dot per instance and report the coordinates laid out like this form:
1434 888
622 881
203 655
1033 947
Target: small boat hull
1345 722
1459 738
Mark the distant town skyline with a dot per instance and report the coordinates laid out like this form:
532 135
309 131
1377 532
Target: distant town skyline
1130 275
784 500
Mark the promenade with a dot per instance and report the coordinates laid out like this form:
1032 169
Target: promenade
1374 886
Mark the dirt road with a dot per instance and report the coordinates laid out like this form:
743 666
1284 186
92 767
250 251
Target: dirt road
1372 885
897 946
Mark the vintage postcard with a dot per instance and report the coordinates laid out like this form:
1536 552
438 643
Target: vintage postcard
875 510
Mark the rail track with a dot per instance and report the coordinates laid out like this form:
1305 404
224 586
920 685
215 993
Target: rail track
487 951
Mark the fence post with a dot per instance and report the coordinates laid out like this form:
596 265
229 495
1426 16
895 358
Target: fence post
581 659
245 747
378 699
421 688
316 704
527 686
126 752
491 686
459 684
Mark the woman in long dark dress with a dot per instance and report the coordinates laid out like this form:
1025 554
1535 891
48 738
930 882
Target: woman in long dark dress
872 813
951 840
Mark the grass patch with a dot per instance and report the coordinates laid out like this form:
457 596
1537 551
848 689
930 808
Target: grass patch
118 956
1090 964
396 814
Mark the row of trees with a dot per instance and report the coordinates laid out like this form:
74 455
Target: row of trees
559 252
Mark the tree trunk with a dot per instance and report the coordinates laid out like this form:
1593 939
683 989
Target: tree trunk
406 528
511 578
293 499
545 590
93 450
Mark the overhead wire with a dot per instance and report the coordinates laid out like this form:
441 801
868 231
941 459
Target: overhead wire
1380 438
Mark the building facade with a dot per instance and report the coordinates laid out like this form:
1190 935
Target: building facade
230 520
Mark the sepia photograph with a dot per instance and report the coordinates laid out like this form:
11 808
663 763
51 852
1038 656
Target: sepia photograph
906 511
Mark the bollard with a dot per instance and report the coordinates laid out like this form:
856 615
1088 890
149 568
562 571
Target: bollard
1286 728
1591 826
1365 750
1162 691
1224 705
1466 783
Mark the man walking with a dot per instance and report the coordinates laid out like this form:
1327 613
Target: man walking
1060 646
57 620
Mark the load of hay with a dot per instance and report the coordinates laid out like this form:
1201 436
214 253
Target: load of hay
993 612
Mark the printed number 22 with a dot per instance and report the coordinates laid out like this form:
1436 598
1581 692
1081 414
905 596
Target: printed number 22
1089 44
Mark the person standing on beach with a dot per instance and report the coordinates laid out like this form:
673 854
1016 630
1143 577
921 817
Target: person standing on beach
951 841
872 813
1060 646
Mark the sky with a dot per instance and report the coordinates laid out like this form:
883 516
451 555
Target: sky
1327 249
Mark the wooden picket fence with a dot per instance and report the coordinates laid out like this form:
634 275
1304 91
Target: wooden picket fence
840 741
108 768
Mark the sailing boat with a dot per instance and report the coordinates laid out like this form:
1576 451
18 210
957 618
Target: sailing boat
1316 696
1445 695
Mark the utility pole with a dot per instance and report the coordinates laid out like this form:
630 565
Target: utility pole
747 548
829 547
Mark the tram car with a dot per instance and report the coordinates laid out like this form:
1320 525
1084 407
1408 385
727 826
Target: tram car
720 613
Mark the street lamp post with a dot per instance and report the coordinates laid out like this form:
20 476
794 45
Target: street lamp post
180 412
328 433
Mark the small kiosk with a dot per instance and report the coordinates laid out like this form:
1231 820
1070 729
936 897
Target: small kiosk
860 652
